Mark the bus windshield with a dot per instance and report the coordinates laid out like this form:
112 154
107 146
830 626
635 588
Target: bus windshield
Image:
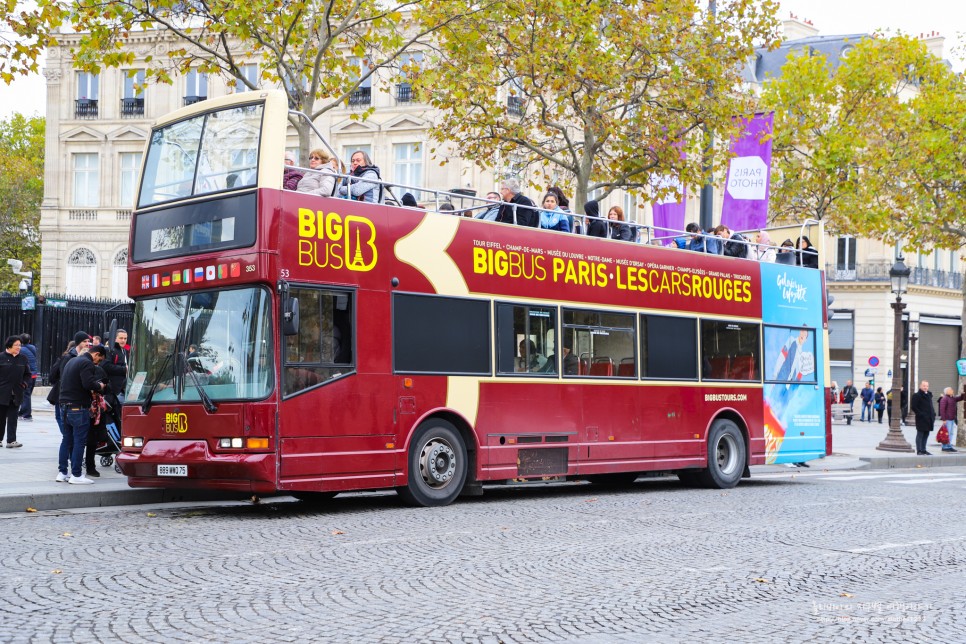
201 155
223 338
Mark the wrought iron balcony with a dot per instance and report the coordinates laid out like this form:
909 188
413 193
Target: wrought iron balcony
85 108
404 93
360 97
879 272
132 107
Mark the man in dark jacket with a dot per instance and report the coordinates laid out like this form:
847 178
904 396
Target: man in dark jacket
116 364
29 351
76 383
849 394
526 215
922 407
596 227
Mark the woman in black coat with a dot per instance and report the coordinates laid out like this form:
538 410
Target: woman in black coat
14 378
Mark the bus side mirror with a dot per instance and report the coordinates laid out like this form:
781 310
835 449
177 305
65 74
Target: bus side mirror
290 316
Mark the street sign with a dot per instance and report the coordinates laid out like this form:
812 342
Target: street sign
58 304
873 361
870 373
890 373
27 303
961 366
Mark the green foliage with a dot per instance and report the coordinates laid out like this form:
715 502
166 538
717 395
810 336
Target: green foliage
872 147
21 191
604 94
26 28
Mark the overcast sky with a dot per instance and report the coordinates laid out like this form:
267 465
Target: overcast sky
948 17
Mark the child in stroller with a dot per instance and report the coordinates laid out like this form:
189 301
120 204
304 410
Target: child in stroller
107 427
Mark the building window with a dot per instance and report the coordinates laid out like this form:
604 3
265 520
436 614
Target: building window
82 273
196 87
362 95
845 258
247 78
130 163
119 275
132 96
407 169
409 64
86 180
85 106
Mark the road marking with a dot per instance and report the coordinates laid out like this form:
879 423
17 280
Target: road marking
892 546
889 475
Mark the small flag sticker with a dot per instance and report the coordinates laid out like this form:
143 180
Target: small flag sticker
176 277
187 276
145 281
200 274
210 273
235 269
154 280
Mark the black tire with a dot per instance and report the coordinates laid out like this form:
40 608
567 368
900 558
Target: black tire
107 461
438 465
727 456
690 478
613 481
117 467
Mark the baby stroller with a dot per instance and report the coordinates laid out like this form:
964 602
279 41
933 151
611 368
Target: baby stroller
109 428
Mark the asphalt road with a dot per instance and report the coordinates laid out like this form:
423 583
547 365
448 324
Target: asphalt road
791 557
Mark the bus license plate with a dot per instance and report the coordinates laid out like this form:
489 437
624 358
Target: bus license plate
172 470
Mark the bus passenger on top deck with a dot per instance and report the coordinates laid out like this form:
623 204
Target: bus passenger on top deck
492 210
809 256
555 219
291 176
361 185
526 215
618 230
596 227
321 181
764 251
564 204
735 245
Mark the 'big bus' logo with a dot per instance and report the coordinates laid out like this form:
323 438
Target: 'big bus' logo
329 240
175 423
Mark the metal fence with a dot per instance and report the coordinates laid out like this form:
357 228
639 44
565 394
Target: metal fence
55 319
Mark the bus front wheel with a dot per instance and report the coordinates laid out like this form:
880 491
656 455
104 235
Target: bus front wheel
437 465
726 458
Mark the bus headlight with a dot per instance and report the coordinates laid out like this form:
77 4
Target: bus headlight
227 443
133 441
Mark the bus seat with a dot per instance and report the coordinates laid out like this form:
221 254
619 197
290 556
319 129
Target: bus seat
742 368
719 367
626 367
583 366
602 366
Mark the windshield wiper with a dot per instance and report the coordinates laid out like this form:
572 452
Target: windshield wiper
185 368
146 406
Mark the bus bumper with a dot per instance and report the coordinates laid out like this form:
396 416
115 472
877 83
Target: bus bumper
239 472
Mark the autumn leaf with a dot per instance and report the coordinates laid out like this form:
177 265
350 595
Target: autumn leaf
846 595
761 580
152 514
31 509
337 532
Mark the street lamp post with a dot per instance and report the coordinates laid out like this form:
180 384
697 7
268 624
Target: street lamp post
913 336
894 440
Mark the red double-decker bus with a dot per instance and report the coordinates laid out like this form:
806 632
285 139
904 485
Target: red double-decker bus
287 342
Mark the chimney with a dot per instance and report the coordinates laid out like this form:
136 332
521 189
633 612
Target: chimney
934 42
795 27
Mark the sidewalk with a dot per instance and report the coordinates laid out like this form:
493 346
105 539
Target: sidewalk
27 473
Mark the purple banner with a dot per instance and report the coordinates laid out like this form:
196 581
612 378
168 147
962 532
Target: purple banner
749 176
669 212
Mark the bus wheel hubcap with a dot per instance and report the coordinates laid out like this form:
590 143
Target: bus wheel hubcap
437 463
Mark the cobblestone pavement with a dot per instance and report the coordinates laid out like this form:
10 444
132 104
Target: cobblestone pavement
796 557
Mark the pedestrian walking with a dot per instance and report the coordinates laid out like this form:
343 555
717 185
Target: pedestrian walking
29 351
14 378
849 394
922 407
867 395
76 383
947 415
878 403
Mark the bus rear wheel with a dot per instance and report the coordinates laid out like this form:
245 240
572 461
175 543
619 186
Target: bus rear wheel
437 465
726 458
